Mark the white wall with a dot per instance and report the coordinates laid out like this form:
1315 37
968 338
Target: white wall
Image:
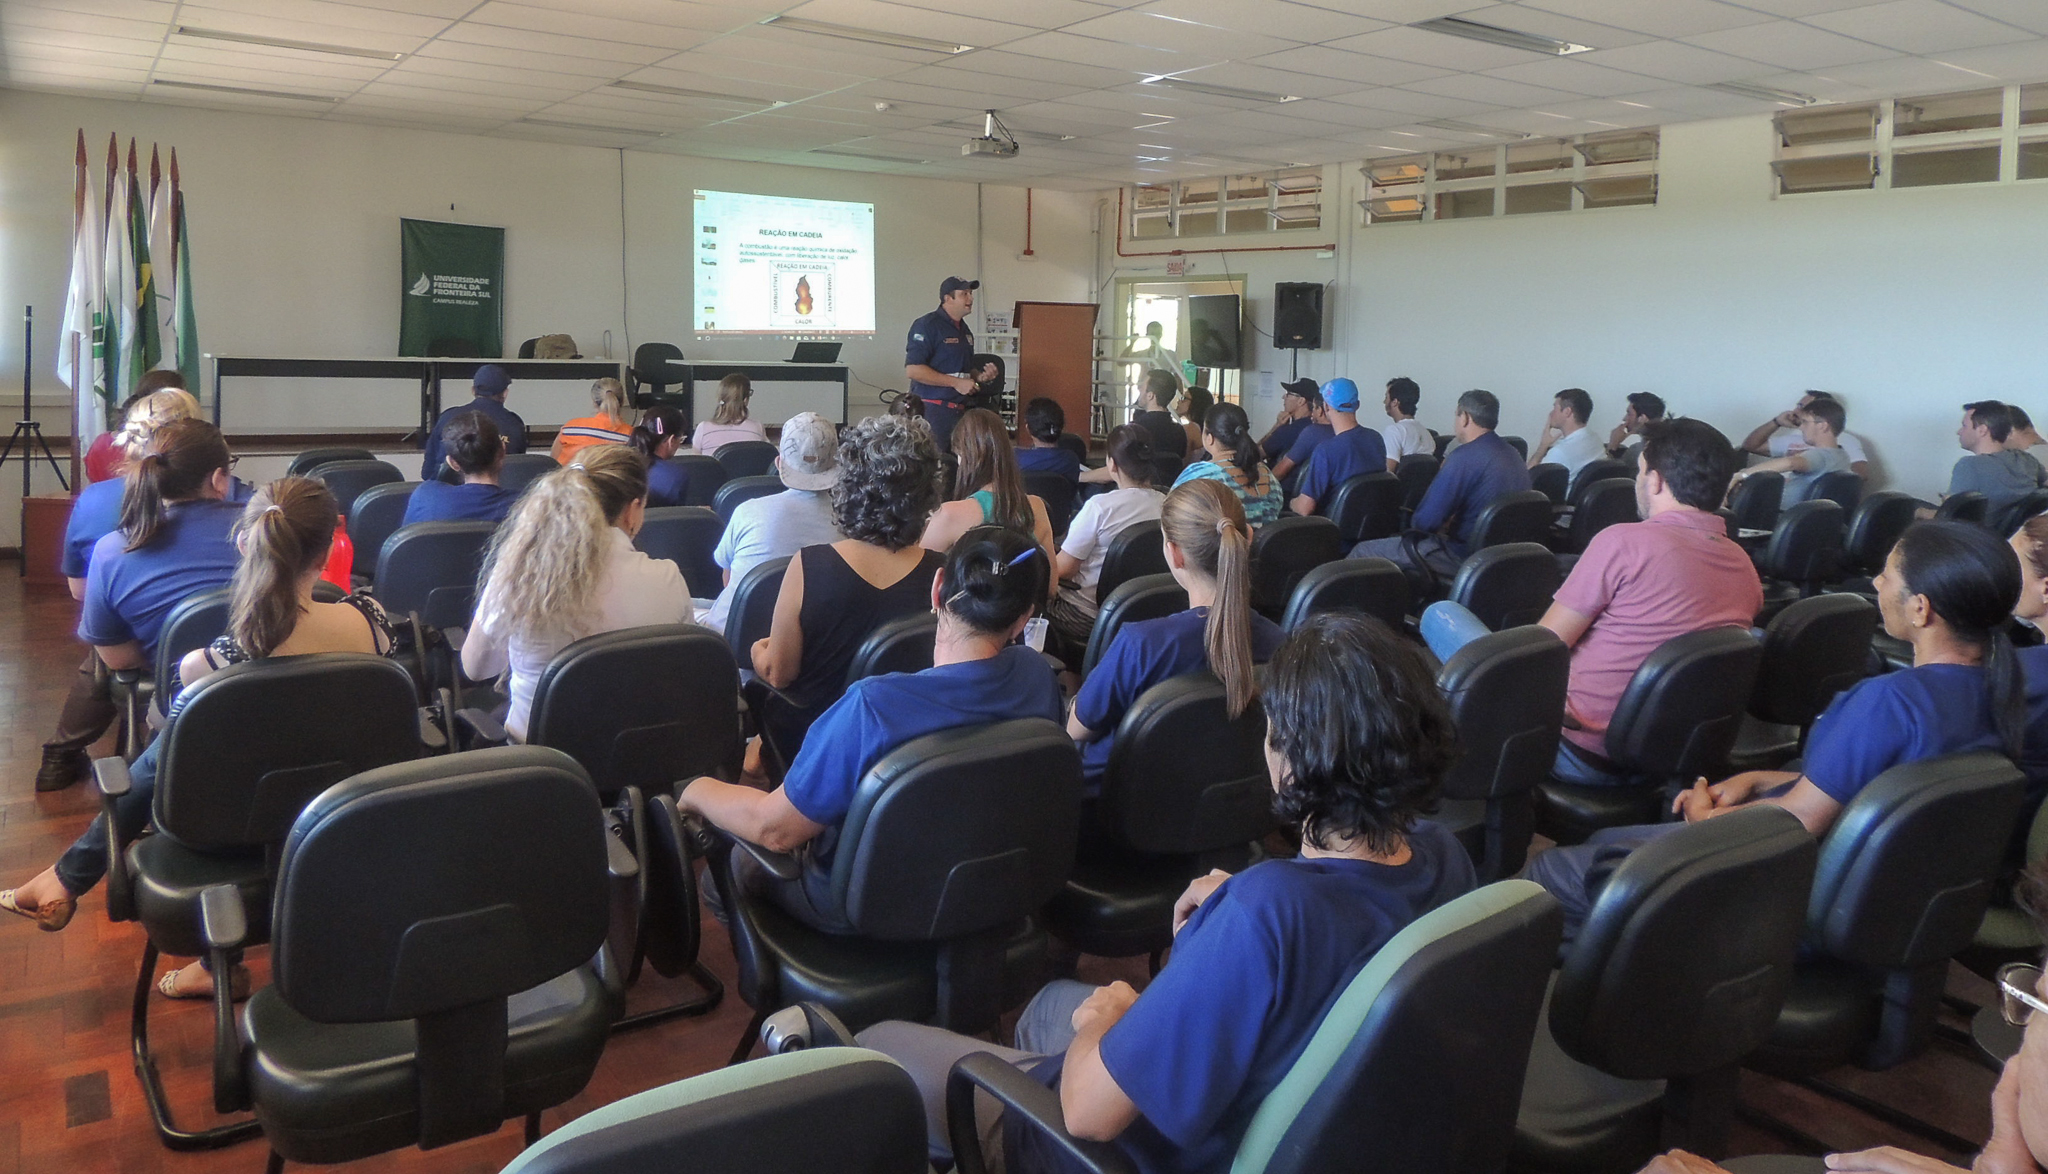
1724 301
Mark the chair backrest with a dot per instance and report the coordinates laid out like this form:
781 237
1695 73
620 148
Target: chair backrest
1683 707
1366 506
1506 691
249 746
1074 444
1285 549
742 489
1184 778
815 1109
522 469
1415 472
1813 650
705 477
685 535
1374 586
346 480
2009 519
1138 549
746 458
1842 487
1597 470
641 707
1875 528
313 458
960 831
1507 586
1905 872
1806 548
1419 1061
1967 506
430 569
1166 469
1755 501
651 364
901 645
197 621
1056 491
1146 597
752 609
1605 503
1521 516
1520 445
1552 480
1707 917
375 517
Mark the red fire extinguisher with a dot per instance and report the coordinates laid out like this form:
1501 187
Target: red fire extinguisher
341 558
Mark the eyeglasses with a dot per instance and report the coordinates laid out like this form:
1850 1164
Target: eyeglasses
2016 986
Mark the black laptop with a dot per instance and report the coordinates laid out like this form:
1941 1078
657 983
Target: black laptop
816 352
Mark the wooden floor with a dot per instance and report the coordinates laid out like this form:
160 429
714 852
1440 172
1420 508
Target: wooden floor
69 1100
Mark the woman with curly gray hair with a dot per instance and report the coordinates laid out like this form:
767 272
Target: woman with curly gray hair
834 595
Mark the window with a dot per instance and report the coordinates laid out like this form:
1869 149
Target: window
1935 140
1613 169
1828 150
1233 205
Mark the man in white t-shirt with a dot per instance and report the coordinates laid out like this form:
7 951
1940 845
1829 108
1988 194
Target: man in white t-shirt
1769 440
1078 565
1405 436
1566 440
782 523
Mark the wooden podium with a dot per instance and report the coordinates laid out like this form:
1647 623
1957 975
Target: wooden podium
1056 358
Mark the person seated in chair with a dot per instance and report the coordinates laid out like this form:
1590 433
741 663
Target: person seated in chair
1353 450
657 437
607 425
1404 436
731 422
1481 468
1078 566
1294 416
1192 406
989 488
1566 440
1781 436
1644 409
1038 441
1293 459
2003 475
487 390
2023 437
1820 426
1234 463
282 539
477 454
780 524
1638 585
992 581
1357 742
1948 589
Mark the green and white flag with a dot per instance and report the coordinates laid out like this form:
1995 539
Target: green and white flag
148 341
181 291
118 284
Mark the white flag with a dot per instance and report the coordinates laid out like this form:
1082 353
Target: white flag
161 254
122 334
83 301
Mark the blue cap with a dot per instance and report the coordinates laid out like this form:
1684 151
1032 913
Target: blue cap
1341 394
491 379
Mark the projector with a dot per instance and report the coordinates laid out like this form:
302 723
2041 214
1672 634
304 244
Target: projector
995 139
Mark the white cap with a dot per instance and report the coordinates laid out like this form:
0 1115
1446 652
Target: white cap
810 452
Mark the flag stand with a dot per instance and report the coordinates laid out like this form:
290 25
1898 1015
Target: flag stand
27 432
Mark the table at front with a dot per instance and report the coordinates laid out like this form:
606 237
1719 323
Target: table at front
689 372
429 371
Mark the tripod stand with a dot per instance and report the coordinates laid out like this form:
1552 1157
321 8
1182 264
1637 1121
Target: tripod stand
28 433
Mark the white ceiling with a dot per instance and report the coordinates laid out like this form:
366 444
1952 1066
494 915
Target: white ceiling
1066 75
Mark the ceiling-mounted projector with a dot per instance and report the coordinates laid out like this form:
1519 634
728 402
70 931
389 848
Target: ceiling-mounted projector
995 139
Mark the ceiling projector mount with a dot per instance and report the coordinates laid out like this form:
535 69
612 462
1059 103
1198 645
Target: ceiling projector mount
995 139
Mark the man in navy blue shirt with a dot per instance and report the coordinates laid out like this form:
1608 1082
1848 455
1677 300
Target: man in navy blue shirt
488 386
1353 451
1294 458
937 355
1294 416
1481 468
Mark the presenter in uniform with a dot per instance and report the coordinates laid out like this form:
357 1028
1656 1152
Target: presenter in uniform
936 358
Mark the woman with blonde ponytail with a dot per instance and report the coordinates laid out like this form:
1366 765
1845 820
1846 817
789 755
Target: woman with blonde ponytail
563 567
1209 552
610 425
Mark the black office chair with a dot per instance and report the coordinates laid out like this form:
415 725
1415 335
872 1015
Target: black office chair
1417 1063
752 610
901 645
1166 469
744 489
1676 721
433 969
1522 516
197 621
1366 506
1605 503
1813 650
746 458
1057 492
1508 586
1138 549
1842 487
1520 446
651 374
1804 552
347 480
1755 501
1552 481
686 535
245 748
2007 521
952 841
1147 597
373 519
1706 917
1443 443
1074 444
429 570
522 469
313 458
1285 549
1374 586
1595 471
1506 691
703 477
1874 528
1967 506
1415 471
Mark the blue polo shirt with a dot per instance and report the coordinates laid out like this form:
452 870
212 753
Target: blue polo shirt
1916 713
438 501
510 426
1142 655
668 483
1473 474
1339 459
1281 439
1307 441
1049 459
943 345
95 513
129 592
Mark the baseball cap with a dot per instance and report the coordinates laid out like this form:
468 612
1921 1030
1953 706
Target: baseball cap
491 379
954 283
810 452
1341 394
1305 388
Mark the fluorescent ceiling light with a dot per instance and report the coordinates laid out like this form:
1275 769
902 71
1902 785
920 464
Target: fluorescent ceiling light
847 32
244 90
185 30
680 92
1216 91
1470 128
1472 30
1765 93
594 128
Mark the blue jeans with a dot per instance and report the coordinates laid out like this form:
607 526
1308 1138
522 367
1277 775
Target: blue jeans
1576 874
84 863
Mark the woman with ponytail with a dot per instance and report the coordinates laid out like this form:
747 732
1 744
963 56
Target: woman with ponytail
656 438
609 425
1236 462
1209 552
282 540
1103 516
474 450
989 487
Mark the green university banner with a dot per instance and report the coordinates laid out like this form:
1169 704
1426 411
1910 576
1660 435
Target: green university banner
454 278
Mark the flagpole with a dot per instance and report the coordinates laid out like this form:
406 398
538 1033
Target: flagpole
77 485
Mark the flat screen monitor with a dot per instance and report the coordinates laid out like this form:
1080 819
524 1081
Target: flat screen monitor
1214 336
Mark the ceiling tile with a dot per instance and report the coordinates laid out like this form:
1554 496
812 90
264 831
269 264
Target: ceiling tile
1493 91
536 19
971 86
1918 26
14 21
1572 76
919 22
200 55
1674 61
1245 76
1799 8
1606 110
1049 14
1665 18
1293 22
1902 76
320 12
1413 103
554 45
1143 59
1551 24
2028 14
1006 63
1177 34
160 11
1427 48
1357 69
524 59
2026 62
1698 103
1791 45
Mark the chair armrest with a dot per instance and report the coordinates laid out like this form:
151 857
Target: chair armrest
225 925
483 728
111 773
222 920
619 860
806 1025
779 864
1572 723
1023 1100
1411 545
454 638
